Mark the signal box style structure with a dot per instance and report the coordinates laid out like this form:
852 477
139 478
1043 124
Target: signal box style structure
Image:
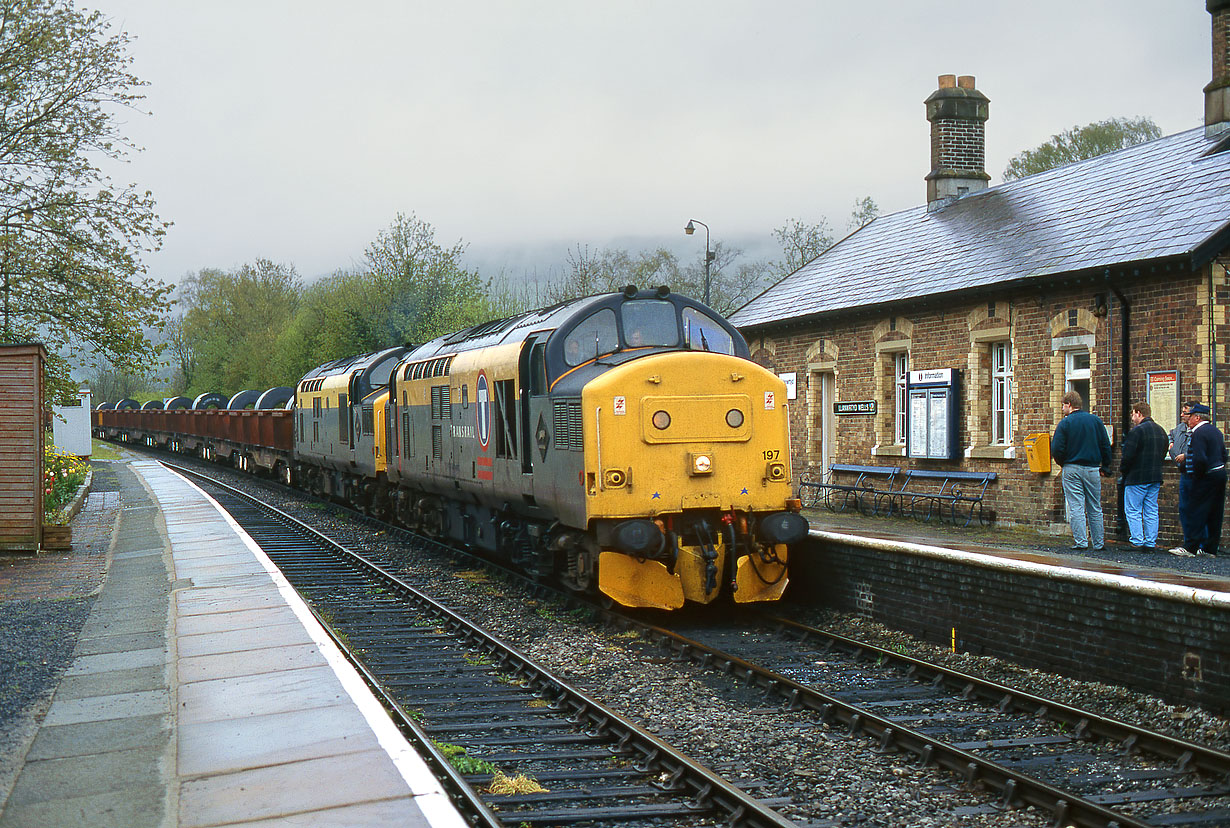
21 446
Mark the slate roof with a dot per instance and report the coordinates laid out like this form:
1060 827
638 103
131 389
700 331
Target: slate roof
1169 197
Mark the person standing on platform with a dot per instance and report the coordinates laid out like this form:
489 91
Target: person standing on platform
1179 435
1205 460
1141 469
1081 447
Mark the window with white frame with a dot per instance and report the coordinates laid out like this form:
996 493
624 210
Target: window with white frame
1076 374
1001 393
901 367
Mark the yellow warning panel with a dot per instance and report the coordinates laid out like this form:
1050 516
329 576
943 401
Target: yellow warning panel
636 583
761 581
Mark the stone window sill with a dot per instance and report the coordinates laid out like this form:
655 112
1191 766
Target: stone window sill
991 452
888 451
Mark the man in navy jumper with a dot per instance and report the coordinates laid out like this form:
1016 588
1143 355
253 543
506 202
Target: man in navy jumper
1081 447
1206 466
1141 467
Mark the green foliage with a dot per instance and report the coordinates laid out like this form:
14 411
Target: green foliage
63 475
865 211
461 760
1079 143
71 238
802 242
410 290
231 323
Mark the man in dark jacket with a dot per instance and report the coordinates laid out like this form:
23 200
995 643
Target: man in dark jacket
1141 468
1206 465
1081 447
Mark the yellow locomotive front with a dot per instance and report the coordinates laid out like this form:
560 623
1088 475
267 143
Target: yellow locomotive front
687 480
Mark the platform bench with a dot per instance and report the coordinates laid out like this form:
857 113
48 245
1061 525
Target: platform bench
959 495
860 494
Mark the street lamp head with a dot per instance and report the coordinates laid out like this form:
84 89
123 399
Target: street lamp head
690 229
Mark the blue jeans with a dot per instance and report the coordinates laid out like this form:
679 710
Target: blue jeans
1082 494
1140 507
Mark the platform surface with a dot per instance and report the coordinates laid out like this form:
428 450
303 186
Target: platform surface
202 692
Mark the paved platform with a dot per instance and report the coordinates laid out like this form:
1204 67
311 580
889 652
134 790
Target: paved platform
201 691
1118 559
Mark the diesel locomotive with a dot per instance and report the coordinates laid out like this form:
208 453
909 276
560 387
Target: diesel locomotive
623 443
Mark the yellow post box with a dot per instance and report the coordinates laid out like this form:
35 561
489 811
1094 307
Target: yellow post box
1038 451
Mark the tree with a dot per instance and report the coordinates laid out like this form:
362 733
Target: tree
802 242
1079 143
420 289
232 322
865 211
72 239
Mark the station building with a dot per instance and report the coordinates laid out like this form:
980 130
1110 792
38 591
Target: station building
1107 276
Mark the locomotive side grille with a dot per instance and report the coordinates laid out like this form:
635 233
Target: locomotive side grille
441 405
369 420
567 420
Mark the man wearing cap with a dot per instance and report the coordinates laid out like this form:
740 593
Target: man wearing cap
1205 462
1081 447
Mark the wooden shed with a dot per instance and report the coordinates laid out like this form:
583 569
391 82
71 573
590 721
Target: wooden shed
21 446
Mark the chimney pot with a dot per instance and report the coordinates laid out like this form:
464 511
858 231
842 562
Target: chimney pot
958 145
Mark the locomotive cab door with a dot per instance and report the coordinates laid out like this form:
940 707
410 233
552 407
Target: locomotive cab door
532 366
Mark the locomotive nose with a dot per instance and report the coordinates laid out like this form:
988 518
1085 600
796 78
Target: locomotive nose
783 527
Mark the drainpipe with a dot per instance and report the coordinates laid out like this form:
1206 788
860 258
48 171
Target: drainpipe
1125 313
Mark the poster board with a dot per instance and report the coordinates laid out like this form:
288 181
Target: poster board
1162 390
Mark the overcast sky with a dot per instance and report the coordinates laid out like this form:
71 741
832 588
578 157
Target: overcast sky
295 130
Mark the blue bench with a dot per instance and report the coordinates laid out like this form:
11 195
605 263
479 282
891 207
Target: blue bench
859 494
959 495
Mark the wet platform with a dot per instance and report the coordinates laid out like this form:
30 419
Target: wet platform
997 546
201 692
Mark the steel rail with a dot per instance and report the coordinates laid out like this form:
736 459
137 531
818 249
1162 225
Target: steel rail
471 806
708 791
1187 755
1017 788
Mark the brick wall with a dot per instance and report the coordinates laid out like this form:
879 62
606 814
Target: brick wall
1173 322
1178 650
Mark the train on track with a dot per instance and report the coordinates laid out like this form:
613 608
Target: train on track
624 443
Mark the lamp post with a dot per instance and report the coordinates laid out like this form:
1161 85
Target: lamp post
689 230
25 215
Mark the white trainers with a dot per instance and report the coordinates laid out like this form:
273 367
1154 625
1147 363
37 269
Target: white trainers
1181 552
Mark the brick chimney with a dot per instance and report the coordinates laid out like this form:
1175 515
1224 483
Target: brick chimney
958 113
1217 93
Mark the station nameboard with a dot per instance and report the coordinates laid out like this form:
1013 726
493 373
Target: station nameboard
855 407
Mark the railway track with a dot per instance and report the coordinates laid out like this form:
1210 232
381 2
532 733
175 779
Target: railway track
1086 769
514 744
1081 768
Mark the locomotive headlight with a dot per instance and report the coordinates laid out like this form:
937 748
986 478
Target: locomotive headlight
702 464
661 420
734 418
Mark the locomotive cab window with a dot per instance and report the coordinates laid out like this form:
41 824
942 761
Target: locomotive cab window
591 338
649 322
702 332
